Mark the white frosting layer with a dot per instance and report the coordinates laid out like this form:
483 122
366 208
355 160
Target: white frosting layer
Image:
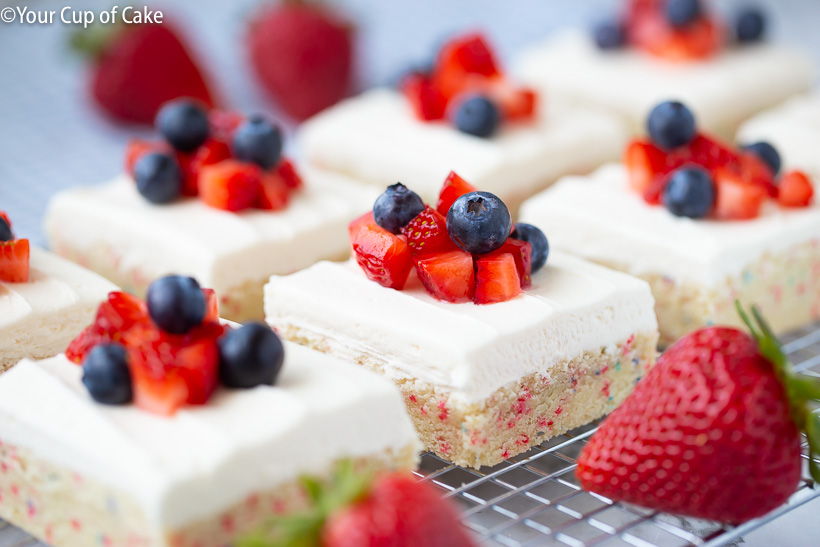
574 306
41 317
221 249
375 137
600 218
722 91
205 459
793 128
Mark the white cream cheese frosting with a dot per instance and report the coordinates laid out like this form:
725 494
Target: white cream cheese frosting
600 218
375 137
573 307
39 318
204 460
221 249
793 128
722 91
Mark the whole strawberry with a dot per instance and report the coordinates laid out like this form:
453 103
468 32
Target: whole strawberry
139 67
713 431
303 55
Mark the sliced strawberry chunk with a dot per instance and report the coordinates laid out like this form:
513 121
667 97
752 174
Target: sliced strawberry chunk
136 148
521 252
497 279
736 198
427 233
649 29
384 257
447 276
645 164
14 261
210 152
364 220
275 192
211 306
427 102
289 174
463 63
517 103
223 123
230 185
82 344
755 171
796 190
454 187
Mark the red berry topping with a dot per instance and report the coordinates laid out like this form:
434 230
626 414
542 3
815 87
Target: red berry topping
521 252
210 152
384 257
646 166
454 187
287 171
737 199
427 233
136 148
447 276
464 62
223 123
14 261
275 193
116 318
497 279
516 103
230 185
796 190
427 102
649 29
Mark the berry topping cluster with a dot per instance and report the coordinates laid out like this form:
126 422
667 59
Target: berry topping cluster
698 176
230 162
467 86
466 248
14 254
171 350
678 30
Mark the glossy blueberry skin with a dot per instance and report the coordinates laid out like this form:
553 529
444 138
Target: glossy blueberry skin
767 153
671 124
690 192
478 116
479 222
176 303
537 240
259 141
5 231
106 375
183 124
158 178
250 356
750 26
609 35
397 206
680 13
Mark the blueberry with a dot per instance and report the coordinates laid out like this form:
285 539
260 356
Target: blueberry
396 207
479 222
176 303
106 375
680 13
671 124
690 192
477 115
609 35
750 25
183 124
249 356
258 141
767 153
536 238
158 177
5 231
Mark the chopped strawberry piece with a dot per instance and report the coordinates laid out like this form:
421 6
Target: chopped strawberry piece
649 29
645 165
710 153
210 152
230 185
136 148
211 306
454 187
223 123
796 190
275 192
521 252
754 170
447 276
14 261
289 174
427 233
497 279
516 103
364 220
427 102
463 63
82 344
384 257
737 199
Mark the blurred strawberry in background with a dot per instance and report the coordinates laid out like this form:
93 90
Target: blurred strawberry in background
302 53
138 67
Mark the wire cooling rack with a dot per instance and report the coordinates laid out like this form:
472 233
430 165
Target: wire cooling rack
534 499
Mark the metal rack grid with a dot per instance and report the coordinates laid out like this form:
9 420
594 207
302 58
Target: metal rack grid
534 499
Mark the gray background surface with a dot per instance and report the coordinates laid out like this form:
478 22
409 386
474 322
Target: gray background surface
52 138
